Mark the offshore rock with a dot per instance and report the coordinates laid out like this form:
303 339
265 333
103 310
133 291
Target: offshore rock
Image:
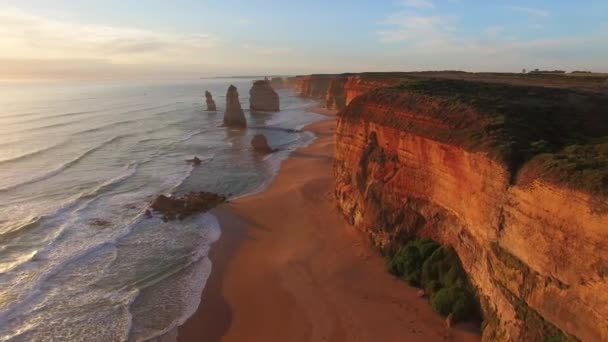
260 144
210 103
234 115
180 207
262 97
194 161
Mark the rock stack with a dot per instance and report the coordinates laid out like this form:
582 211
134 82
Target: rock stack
210 103
262 97
260 144
234 116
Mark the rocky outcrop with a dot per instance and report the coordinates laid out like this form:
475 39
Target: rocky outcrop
210 103
180 207
234 115
337 91
357 85
277 83
335 97
262 97
419 161
313 86
196 161
260 144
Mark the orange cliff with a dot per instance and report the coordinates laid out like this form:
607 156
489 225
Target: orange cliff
337 91
420 161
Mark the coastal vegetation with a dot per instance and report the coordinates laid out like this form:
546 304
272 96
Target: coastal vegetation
559 135
437 270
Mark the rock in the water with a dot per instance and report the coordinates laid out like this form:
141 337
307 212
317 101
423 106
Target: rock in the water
263 97
234 115
194 161
260 144
210 103
180 207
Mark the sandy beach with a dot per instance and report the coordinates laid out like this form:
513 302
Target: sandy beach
288 267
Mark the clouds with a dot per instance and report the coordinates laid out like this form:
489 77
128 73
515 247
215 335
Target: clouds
418 4
529 11
402 27
217 38
430 37
26 35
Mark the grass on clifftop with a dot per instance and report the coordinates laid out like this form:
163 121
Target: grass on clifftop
437 269
560 135
566 130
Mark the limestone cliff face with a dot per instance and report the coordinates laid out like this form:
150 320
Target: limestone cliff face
358 85
313 86
337 91
536 252
335 96
234 115
262 97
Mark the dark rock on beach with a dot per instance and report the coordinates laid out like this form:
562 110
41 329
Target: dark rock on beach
180 207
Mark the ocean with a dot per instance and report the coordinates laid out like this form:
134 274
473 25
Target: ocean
80 162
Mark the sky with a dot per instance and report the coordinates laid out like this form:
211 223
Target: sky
204 38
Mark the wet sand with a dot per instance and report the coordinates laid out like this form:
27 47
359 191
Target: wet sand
289 268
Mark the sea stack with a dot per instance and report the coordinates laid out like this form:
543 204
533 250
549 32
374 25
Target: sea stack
210 103
260 144
262 97
234 116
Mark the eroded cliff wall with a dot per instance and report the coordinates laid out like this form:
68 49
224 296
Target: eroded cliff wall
337 91
534 250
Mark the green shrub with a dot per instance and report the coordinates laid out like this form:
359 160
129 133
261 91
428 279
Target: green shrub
407 261
424 263
456 301
444 266
432 287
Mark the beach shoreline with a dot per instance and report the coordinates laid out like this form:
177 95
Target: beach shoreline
288 267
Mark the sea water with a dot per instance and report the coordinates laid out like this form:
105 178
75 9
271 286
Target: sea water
80 162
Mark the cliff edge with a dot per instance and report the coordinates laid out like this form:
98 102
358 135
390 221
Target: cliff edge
514 178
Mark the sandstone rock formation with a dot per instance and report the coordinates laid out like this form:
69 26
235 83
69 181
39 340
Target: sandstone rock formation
335 98
339 90
313 86
277 83
210 103
180 207
451 161
262 97
260 144
234 115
